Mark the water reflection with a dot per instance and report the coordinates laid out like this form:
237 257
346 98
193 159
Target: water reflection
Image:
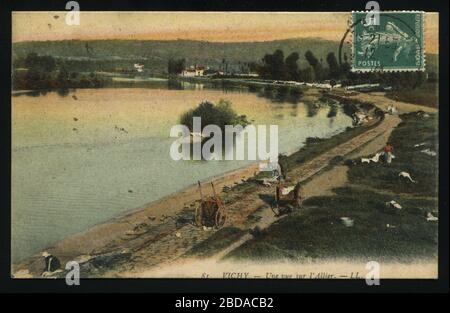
312 108
277 94
333 111
175 84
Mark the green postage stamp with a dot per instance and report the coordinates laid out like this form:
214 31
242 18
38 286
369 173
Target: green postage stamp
388 41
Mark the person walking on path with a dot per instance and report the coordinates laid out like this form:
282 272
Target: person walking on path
388 149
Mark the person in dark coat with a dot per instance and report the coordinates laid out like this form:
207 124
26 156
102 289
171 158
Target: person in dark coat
51 262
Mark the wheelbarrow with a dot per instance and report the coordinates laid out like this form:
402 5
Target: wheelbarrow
211 212
287 199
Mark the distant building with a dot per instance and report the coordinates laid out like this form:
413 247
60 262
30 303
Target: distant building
210 72
139 67
193 71
188 72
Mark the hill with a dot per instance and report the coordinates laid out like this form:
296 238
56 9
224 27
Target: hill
155 54
95 55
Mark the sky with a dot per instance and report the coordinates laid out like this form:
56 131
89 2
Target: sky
207 26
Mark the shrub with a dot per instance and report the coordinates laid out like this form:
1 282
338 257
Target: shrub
219 114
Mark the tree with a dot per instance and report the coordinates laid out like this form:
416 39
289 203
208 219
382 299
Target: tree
175 66
219 114
265 69
292 66
345 67
433 77
252 66
314 62
418 78
31 60
48 63
45 63
307 74
274 66
63 74
279 67
333 66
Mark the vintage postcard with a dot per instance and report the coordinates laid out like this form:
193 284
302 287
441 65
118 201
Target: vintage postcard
250 145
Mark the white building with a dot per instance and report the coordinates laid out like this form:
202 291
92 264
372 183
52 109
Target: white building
139 67
193 71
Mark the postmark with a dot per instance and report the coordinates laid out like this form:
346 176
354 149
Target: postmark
392 42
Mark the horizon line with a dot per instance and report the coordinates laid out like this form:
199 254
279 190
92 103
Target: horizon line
180 39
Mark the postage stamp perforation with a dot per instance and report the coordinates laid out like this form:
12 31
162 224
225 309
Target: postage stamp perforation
351 35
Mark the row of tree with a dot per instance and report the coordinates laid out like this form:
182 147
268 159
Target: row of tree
44 72
275 66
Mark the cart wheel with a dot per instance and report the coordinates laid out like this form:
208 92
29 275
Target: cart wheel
198 215
221 217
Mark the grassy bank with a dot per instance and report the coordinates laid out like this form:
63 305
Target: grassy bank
415 134
379 232
426 94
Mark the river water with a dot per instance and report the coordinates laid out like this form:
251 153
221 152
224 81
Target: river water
83 157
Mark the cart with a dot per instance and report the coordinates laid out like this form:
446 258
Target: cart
285 203
211 211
